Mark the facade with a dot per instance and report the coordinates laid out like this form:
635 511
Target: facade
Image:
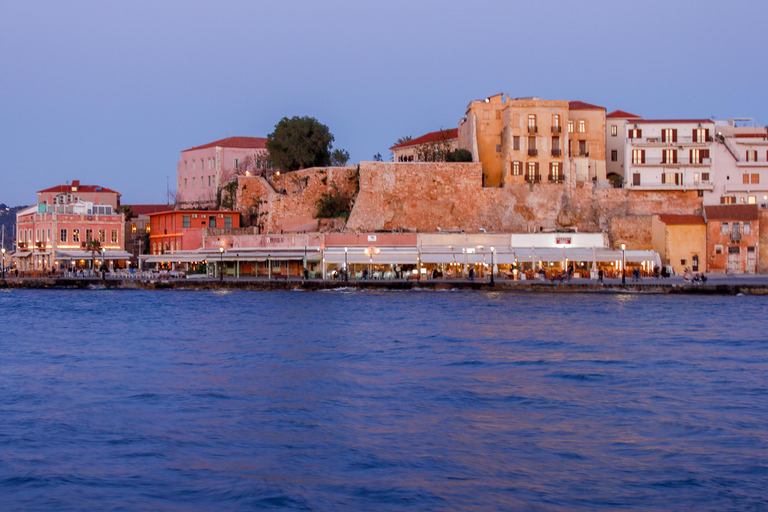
741 164
413 150
615 139
732 238
137 227
182 230
669 154
586 141
680 241
480 132
202 170
55 233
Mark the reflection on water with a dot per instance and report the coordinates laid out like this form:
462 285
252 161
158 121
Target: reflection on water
368 400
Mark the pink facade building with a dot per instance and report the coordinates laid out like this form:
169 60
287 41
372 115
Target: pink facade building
741 161
202 170
54 233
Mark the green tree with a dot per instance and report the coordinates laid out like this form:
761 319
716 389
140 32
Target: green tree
298 143
459 155
403 140
339 157
377 157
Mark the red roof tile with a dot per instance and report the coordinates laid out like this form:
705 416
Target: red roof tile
620 114
146 209
169 210
674 121
453 133
731 212
580 105
686 220
234 142
60 189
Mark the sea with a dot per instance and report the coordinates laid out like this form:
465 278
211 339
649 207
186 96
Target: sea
370 400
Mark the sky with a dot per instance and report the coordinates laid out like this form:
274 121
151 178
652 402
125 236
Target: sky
110 93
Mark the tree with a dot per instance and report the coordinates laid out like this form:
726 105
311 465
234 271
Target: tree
93 246
403 140
298 143
339 157
377 157
434 151
459 155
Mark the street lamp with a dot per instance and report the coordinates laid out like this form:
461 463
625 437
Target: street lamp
623 265
103 263
346 267
221 263
3 250
493 250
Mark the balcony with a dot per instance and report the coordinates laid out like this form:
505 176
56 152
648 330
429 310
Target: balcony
680 140
533 129
555 178
557 153
557 130
533 152
687 185
736 236
680 161
533 178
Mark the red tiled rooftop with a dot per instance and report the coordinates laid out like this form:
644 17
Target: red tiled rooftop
60 189
683 220
146 209
580 105
620 114
731 212
453 133
674 121
234 142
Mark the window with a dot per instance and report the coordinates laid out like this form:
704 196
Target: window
237 163
727 199
755 178
669 135
745 179
193 182
532 146
532 171
638 156
133 227
635 133
516 143
614 130
76 235
102 236
583 148
114 236
185 182
212 221
683 261
532 123
669 156
227 221
202 164
752 200
700 135
725 228
554 172
516 169
747 228
556 121
88 235
209 181
185 221
705 177
614 155
582 126
718 249
498 148
695 156
498 114
63 236
636 179
672 177
695 262
751 155
570 126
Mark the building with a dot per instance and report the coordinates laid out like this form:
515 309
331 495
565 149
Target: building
182 230
615 139
586 141
55 233
415 150
137 227
669 154
680 241
732 238
203 170
741 164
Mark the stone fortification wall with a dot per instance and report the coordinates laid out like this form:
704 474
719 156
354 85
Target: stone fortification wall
762 254
425 196
288 202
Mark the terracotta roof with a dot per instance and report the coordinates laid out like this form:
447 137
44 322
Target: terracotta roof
580 105
234 142
731 212
146 209
620 114
674 121
749 135
686 220
453 133
60 189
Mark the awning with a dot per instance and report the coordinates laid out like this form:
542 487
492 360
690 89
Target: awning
384 256
597 254
505 256
20 254
87 255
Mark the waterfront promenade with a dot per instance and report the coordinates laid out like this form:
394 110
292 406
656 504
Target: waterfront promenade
723 284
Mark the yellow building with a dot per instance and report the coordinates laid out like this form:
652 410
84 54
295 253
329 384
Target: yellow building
681 241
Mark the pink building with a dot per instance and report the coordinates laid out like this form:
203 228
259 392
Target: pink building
204 169
741 164
53 234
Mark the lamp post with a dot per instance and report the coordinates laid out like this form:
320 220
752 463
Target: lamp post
623 265
493 250
346 265
103 264
221 263
3 251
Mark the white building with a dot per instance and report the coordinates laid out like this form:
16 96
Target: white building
615 140
741 164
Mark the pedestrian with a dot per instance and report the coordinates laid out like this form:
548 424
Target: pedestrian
636 274
471 274
600 276
570 272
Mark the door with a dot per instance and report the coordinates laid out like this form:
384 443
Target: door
733 260
751 261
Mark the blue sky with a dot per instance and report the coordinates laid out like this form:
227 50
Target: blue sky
110 92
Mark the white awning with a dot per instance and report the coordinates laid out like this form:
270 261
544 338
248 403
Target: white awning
87 255
20 254
385 255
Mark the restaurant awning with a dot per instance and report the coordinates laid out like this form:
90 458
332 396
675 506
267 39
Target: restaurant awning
20 254
87 255
384 256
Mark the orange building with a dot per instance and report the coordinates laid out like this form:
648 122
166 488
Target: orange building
182 230
732 238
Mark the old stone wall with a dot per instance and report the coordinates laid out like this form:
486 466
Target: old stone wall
288 202
762 249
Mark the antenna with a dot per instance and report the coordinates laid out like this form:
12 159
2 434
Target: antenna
168 190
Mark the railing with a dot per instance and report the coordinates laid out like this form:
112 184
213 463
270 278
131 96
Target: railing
557 129
679 140
556 152
533 129
555 178
533 152
533 178
680 161
735 236
687 185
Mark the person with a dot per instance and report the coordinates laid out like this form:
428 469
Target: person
471 274
656 272
570 272
434 273
600 276
306 273
636 274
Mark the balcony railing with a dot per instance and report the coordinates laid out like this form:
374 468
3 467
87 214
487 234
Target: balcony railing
533 178
557 129
533 129
735 236
533 152
555 178
680 140
557 152
680 161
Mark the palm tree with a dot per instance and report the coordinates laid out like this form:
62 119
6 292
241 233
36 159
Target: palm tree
403 140
94 246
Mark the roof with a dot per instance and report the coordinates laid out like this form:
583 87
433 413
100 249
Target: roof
580 105
621 114
674 121
453 133
60 189
731 212
684 220
234 142
146 209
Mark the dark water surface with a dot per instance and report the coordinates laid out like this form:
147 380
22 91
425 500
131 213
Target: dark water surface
181 400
